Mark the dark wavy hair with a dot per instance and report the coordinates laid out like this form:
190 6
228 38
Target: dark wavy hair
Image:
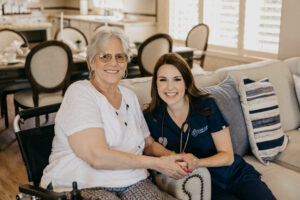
192 92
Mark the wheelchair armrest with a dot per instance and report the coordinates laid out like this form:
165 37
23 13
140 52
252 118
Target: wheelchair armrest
36 111
41 192
195 186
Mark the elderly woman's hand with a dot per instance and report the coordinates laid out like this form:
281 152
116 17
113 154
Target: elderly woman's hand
172 166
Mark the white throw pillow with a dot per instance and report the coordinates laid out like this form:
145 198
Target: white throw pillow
261 112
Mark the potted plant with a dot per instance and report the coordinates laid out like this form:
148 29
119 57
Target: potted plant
137 44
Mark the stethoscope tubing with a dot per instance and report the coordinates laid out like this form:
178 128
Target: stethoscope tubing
181 132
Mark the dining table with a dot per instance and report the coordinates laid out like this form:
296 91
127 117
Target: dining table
16 70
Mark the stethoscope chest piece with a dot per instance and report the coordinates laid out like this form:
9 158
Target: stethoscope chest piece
163 141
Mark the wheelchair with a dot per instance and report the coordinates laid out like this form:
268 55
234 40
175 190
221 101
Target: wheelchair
36 143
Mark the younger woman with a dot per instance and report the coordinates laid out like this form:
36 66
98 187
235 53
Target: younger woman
184 119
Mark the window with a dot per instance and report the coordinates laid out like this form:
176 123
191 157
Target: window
246 26
183 16
262 25
222 17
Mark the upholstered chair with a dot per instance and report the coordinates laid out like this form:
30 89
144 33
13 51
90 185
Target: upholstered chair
48 69
77 41
198 38
7 37
73 35
151 49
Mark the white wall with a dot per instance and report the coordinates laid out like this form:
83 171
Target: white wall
140 6
47 3
73 3
289 44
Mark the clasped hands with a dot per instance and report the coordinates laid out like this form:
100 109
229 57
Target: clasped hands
178 165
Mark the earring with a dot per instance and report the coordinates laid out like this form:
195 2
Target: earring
125 73
92 75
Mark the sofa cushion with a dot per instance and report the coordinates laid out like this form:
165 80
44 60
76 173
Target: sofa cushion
260 106
297 85
294 65
228 99
207 79
141 87
280 76
283 182
290 156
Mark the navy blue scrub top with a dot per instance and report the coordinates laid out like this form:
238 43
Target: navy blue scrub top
200 142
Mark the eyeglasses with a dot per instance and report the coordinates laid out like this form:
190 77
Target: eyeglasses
106 57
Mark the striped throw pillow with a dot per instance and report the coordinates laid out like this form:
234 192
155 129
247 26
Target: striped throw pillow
261 112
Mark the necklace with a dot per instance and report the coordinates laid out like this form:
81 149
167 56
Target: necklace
120 115
112 98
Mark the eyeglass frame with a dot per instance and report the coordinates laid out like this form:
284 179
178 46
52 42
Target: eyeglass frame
100 57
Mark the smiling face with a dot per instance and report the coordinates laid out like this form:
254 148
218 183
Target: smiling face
109 72
170 85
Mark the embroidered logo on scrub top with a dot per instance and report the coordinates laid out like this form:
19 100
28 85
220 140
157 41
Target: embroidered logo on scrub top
196 132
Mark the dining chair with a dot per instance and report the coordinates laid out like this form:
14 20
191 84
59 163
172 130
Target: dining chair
151 49
98 28
48 69
198 38
71 36
7 37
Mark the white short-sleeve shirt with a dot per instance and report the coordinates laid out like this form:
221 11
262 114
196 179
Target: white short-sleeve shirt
125 130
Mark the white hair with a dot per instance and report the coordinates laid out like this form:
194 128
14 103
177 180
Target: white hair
100 40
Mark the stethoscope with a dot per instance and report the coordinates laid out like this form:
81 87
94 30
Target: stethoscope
163 140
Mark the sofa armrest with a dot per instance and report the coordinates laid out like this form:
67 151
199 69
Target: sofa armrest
195 186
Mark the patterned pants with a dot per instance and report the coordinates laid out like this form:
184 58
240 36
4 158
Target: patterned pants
143 190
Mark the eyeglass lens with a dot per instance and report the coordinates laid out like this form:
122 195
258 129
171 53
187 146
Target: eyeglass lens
106 57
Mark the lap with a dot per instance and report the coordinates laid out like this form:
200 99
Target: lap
146 190
252 187
224 195
96 194
249 188
221 194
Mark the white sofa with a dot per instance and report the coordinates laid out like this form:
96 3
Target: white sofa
282 175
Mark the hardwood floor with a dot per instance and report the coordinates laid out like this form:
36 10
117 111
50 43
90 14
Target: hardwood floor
12 169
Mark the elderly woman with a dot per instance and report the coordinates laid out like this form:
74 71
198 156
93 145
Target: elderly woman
101 134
